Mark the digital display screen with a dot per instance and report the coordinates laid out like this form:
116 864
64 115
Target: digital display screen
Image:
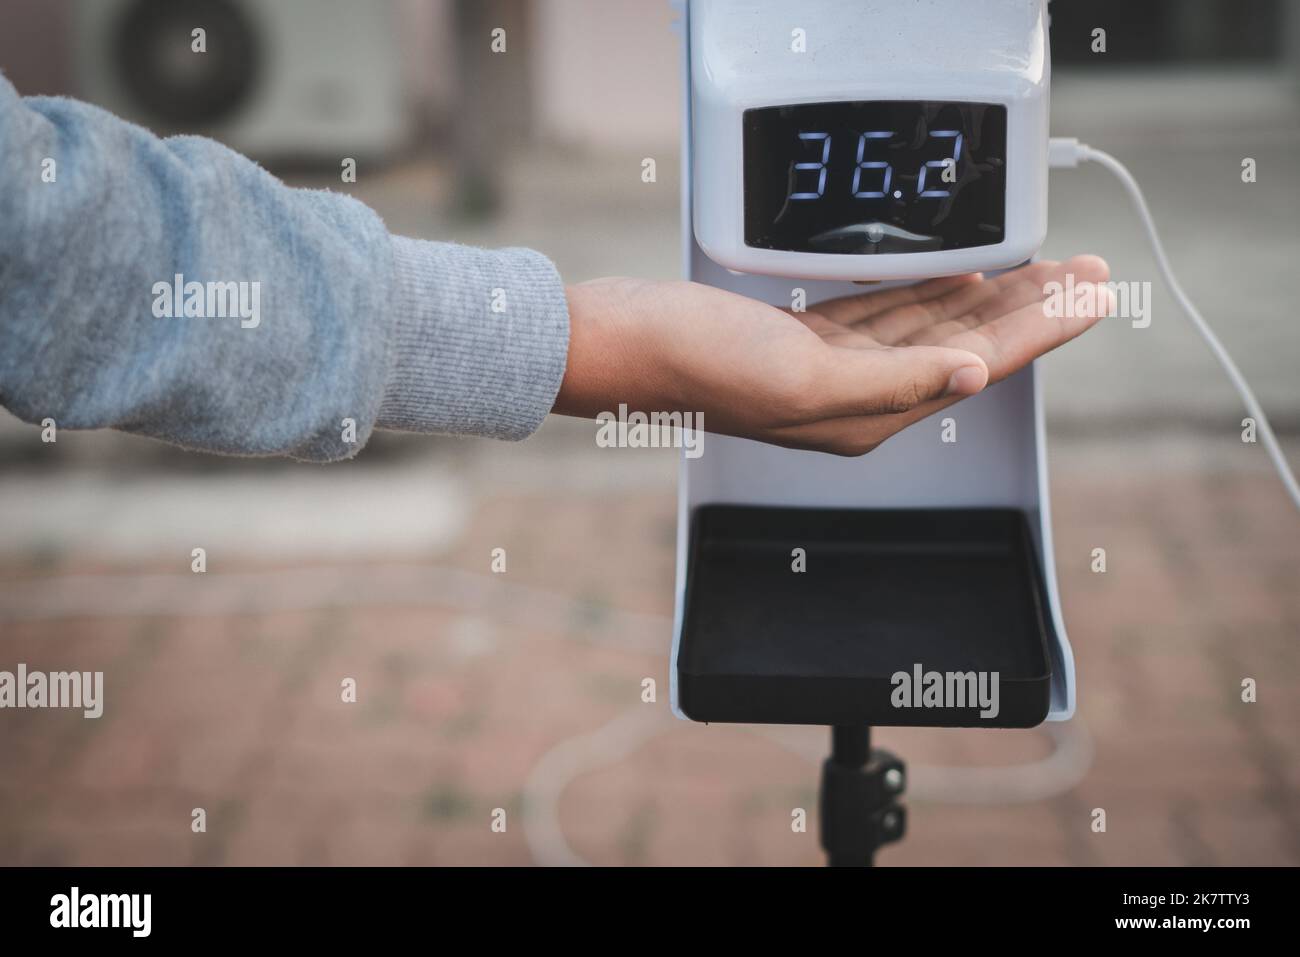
878 176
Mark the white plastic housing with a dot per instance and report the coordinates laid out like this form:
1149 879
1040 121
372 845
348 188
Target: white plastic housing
984 50
742 57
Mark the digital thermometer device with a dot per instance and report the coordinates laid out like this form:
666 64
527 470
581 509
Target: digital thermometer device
829 143
878 140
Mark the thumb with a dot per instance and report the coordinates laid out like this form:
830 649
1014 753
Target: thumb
883 381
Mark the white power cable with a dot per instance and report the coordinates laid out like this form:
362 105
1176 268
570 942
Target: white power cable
1068 152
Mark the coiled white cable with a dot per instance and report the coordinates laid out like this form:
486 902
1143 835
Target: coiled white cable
1066 152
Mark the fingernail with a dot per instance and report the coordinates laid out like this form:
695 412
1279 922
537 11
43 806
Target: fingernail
965 381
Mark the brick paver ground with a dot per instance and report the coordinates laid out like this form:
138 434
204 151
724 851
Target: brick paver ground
463 688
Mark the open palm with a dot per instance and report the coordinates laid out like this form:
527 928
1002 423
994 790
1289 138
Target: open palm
840 377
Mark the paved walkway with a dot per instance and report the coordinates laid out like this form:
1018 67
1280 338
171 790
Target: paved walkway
469 682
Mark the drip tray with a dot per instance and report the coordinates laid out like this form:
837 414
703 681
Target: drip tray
957 592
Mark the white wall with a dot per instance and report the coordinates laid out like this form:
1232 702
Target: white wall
607 73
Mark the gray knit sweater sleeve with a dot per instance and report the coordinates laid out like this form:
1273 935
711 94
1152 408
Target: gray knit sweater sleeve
172 288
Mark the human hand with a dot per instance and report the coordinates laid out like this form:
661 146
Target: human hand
841 377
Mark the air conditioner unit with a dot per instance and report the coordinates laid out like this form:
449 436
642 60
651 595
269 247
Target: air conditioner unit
282 78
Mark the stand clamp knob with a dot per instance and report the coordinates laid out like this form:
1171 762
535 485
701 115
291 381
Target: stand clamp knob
859 808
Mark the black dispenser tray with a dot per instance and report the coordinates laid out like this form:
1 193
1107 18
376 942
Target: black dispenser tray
952 591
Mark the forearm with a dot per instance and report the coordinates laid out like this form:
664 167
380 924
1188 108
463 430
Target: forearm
622 353
354 329
602 349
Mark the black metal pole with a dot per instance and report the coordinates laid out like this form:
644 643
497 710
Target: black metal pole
858 791
850 746
845 811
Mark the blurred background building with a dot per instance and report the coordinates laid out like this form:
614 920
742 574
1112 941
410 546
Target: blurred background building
523 691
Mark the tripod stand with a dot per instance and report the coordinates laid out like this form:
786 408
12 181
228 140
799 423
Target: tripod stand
859 788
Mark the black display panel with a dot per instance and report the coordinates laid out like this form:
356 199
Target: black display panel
877 176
